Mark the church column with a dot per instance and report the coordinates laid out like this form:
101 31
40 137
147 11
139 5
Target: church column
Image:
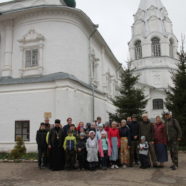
7 66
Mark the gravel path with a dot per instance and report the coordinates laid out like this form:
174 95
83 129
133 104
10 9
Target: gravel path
27 174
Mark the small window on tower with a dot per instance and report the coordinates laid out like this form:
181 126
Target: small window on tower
158 104
138 50
156 48
171 48
31 58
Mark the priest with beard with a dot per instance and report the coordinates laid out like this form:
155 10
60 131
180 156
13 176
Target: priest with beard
55 145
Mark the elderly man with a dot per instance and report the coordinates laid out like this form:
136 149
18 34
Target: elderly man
174 134
146 129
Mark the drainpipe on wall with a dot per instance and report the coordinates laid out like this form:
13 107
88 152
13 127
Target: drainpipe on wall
92 72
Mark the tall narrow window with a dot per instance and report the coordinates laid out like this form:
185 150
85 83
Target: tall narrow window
171 48
156 48
158 104
22 129
138 50
31 58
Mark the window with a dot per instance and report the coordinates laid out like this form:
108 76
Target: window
171 48
22 129
158 104
31 58
138 50
156 49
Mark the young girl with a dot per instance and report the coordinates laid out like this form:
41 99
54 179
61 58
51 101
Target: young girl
104 150
125 136
115 143
92 150
143 153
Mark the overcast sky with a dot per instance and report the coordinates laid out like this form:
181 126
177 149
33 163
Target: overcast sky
115 18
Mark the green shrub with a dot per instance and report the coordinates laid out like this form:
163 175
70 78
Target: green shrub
19 149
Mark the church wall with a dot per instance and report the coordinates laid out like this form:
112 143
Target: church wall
65 48
30 101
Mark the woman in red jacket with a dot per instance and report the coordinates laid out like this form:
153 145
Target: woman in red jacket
160 140
114 138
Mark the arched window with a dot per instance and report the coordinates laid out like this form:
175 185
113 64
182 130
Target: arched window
138 50
158 104
156 48
171 48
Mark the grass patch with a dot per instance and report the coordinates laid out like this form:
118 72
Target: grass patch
27 156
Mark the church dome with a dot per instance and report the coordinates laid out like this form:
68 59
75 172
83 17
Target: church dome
70 3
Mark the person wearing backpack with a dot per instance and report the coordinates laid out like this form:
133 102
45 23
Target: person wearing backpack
70 150
174 134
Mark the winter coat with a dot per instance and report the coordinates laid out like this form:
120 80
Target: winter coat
134 130
100 148
173 129
146 129
70 143
92 150
41 139
114 132
160 136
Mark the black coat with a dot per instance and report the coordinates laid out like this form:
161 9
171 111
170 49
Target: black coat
134 130
54 134
125 132
41 139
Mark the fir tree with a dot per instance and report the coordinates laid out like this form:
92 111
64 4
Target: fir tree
176 96
131 99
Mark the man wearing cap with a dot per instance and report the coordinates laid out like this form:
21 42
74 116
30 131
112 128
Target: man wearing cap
134 129
55 144
174 134
146 129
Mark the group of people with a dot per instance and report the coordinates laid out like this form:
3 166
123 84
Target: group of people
110 145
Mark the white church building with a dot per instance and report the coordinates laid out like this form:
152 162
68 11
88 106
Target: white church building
153 53
53 61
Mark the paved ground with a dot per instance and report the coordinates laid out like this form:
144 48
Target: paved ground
27 174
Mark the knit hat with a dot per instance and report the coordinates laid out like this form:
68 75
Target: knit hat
144 115
100 125
82 134
92 132
104 132
143 138
57 121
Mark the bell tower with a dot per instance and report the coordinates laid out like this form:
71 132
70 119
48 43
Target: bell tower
153 50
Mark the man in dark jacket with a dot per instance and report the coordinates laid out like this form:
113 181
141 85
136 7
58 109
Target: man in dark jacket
146 129
55 144
134 129
42 146
174 134
67 126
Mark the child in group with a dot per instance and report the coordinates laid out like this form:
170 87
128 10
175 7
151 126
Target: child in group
42 146
125 140
81 151
143 153
99 131
92 150
104 148
114 138
70 149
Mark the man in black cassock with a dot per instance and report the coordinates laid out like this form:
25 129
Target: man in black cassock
55 144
